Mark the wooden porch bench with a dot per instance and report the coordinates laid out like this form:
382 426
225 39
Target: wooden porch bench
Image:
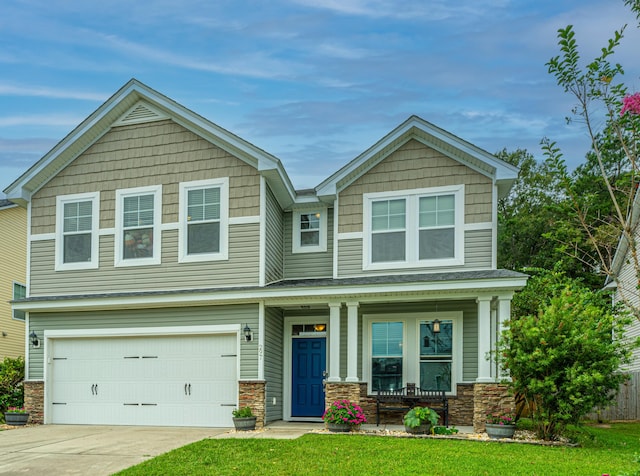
405 398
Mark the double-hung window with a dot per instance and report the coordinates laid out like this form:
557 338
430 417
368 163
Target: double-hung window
138 220
404 348
386 355
77 222
415 228
204 217
309 231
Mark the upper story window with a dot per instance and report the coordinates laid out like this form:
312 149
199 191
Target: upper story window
138 220
19 292
204 220
414 228
309 231
77 222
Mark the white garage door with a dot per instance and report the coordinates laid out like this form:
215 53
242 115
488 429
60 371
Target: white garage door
159 380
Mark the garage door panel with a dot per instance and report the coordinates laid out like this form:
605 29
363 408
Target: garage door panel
168 380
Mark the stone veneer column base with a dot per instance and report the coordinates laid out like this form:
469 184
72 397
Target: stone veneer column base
34 400
252 393
341 390
487 397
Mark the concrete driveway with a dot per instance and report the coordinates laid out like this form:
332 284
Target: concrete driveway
94 450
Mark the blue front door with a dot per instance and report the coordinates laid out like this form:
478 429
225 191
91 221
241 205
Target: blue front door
309 363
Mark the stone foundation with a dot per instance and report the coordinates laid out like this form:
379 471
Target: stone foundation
34 400
460 407
488 397
252 393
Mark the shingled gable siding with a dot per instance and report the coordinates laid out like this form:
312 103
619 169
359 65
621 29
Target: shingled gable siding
415 166
158 153
307 265
152 318
274 237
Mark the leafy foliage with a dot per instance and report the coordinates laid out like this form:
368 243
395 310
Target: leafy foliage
563 359
11 383
419 416
602 206
242 412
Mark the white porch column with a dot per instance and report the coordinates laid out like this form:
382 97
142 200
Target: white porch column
352 342
334 342
484 339
504 314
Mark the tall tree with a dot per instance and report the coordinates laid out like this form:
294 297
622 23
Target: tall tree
611 117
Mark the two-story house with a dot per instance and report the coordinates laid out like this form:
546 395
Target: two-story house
175 273
13 277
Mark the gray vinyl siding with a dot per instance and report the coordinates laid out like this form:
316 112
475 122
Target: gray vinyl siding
169 317
274 235
273 365
241 269
307 265
477 255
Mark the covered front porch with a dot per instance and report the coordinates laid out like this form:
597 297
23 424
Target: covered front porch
350 344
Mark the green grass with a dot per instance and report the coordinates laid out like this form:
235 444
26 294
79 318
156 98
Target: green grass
603 450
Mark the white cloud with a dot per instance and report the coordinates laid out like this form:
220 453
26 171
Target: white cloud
56 120
41 91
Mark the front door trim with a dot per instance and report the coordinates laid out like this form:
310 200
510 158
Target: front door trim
289 322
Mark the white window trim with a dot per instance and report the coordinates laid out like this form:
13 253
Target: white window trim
13 296
411 345
412 230
61 200
322 240
156 190
223 254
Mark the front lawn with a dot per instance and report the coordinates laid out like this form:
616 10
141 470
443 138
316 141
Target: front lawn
603 450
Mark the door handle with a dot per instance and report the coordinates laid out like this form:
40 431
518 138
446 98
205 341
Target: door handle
93 389
185 388
189 389
96 389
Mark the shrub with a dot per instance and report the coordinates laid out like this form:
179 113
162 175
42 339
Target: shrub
243 412
564 360
11 383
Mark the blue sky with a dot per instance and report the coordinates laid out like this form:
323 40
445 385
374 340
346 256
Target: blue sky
314 82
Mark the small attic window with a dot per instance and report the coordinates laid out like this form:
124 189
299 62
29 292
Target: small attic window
309 231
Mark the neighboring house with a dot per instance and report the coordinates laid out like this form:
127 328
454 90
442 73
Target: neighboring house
13 277
175 273
627 405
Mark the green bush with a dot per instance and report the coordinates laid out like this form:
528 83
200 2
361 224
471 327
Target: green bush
563 359
11 383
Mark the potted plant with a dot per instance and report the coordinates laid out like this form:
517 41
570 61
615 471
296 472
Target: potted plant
244 419
501 423
419 420
343 416
16 416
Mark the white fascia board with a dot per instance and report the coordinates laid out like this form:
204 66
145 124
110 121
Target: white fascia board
143 331
322 293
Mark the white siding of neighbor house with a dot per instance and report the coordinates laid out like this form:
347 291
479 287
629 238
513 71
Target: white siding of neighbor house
628 291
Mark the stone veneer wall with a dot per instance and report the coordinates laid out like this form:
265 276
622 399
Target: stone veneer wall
34 400
252 393
488 397
460 407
